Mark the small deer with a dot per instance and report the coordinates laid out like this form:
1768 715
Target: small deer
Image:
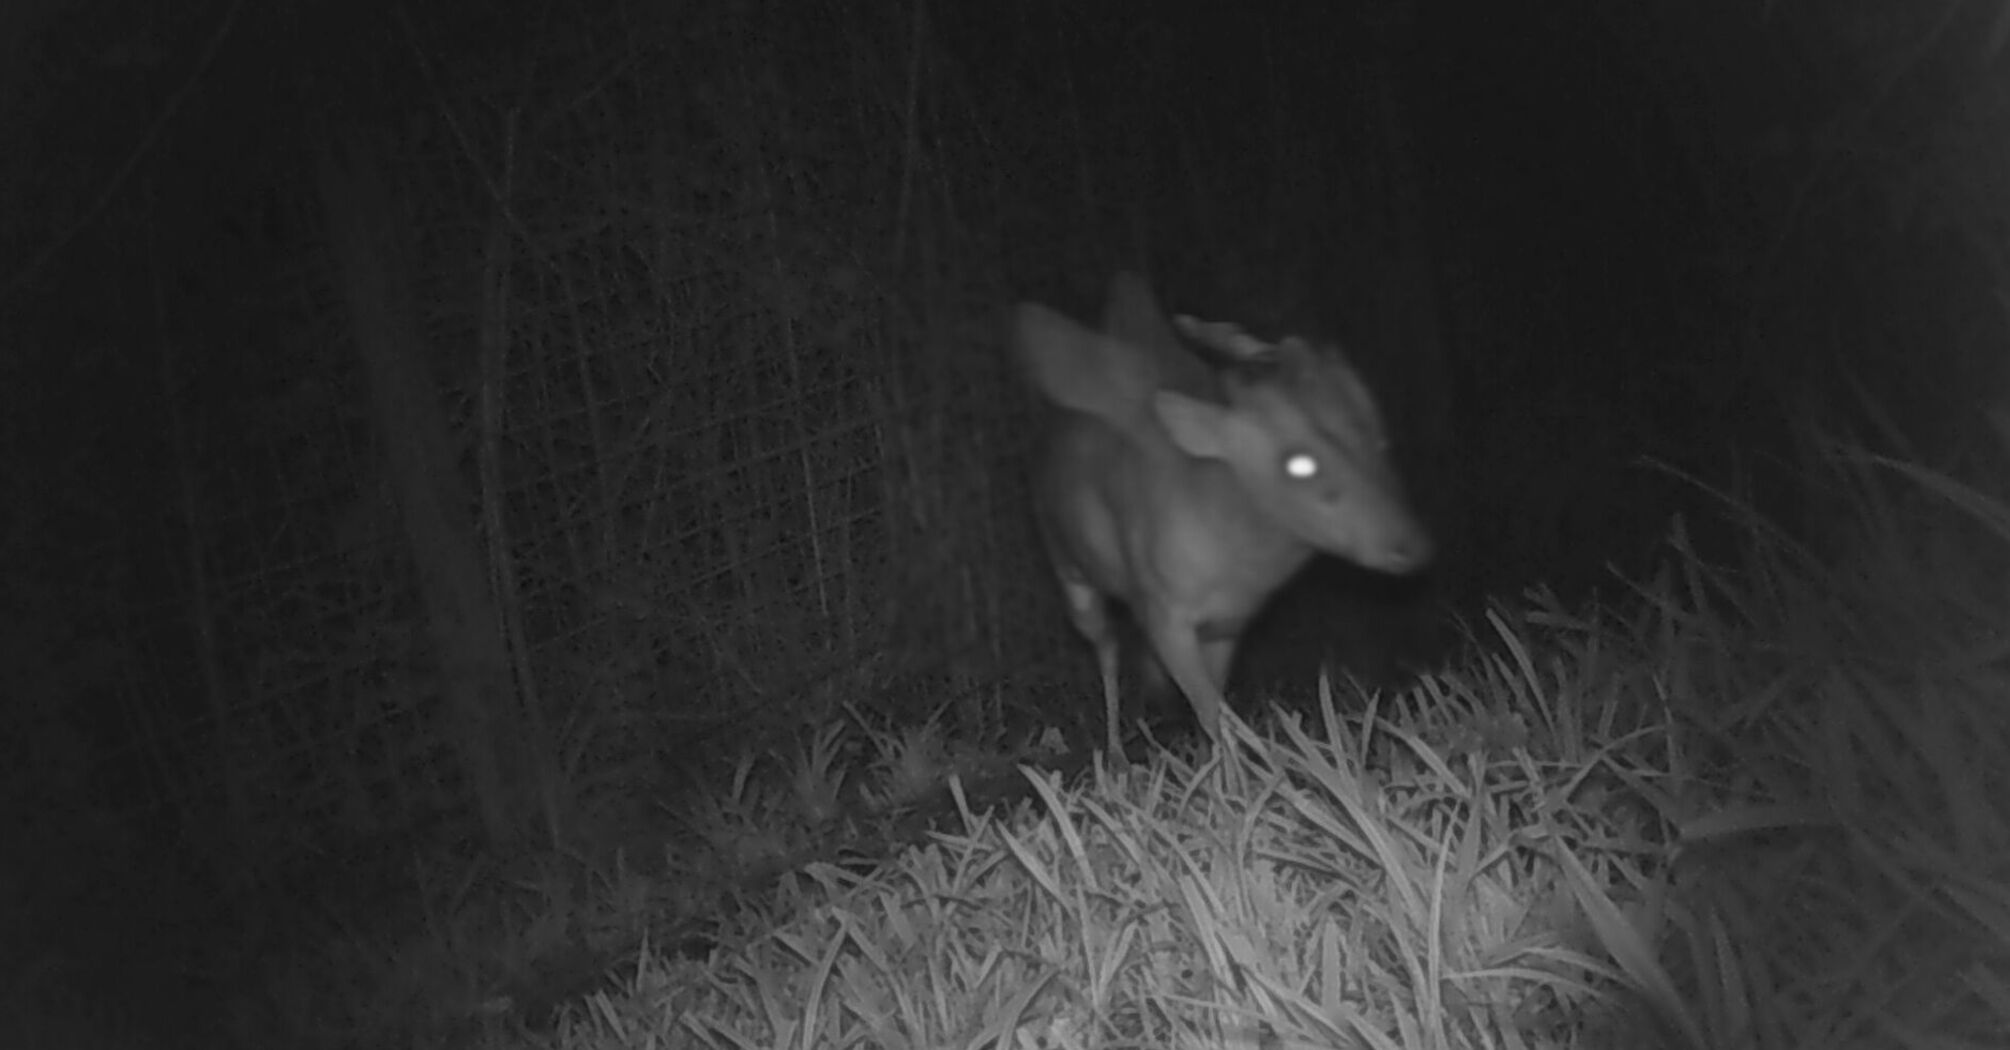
1190 488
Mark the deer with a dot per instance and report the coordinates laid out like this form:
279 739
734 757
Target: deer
1190 470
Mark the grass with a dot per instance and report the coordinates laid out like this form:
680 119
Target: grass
1753 807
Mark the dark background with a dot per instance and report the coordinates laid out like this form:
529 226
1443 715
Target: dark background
1602 261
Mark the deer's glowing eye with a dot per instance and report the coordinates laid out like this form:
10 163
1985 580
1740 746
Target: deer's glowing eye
1300 466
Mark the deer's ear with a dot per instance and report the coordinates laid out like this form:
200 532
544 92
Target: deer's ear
1079 369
